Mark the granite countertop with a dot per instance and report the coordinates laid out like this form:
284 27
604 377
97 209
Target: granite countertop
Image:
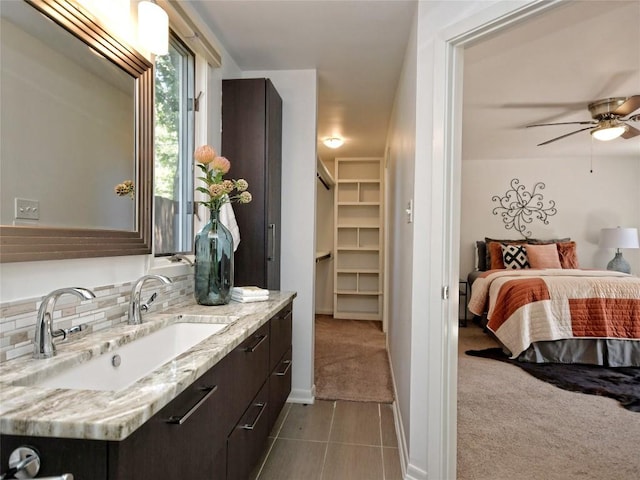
114 415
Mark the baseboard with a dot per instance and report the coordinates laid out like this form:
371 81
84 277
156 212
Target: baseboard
324 312
397 420
409 472
414 473
307 397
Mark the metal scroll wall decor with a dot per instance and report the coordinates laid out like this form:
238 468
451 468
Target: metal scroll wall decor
518 207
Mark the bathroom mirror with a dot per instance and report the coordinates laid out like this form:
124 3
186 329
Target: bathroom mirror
77 119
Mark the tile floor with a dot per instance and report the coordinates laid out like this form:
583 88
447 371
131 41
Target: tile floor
332 441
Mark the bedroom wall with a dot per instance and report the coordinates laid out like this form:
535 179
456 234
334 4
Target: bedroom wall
585 201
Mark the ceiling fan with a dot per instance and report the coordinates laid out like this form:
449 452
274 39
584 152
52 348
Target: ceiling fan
608 122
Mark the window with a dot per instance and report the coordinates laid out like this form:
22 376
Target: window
174 146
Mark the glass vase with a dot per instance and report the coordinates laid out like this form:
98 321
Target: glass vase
214 263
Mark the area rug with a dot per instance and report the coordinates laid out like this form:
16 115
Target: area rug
620 383
351 361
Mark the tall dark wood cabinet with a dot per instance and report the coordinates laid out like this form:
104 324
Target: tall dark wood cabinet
252 141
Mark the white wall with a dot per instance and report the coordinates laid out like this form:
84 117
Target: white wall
586 202
298 90
420 345
324 242
400 190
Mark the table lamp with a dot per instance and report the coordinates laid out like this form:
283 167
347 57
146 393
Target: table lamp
619 238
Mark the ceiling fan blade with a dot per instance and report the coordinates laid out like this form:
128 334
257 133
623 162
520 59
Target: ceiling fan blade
566 135
563 123
631 132
629 106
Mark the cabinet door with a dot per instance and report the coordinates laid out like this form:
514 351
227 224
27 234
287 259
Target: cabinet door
247 441
280 336
279 387
274 186
250 362
183 439
251 140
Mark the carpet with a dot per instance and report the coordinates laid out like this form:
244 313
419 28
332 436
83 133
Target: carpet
351 361
620 383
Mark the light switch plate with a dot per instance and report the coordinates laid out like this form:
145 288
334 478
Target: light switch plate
27 209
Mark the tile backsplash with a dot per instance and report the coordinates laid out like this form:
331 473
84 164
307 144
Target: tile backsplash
18 319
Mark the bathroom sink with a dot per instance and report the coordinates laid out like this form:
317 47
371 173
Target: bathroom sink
119 368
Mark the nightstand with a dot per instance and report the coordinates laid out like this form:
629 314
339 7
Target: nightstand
463 294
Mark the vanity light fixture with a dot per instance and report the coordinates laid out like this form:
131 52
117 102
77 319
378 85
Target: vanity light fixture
609 130
333 142
153 28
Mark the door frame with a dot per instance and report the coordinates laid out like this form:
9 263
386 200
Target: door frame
447 131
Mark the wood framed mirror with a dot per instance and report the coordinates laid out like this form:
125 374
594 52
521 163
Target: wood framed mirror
25 241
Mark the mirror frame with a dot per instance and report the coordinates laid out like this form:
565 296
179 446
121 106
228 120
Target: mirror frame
24 243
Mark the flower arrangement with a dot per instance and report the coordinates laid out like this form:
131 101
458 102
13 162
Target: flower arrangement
218 190
125 188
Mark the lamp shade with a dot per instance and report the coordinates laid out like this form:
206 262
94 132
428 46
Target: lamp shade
619 238
153 28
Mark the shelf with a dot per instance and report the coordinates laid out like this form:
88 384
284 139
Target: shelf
356 292
357 270
358 238
359 180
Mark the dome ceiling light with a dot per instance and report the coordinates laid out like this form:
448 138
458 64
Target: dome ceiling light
333 142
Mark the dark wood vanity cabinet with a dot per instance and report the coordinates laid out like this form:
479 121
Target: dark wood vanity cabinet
216 429
252 141
184 439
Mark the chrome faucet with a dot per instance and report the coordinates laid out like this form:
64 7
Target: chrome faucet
135 307
44 347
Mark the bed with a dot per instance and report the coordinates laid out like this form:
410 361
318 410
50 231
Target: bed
561 315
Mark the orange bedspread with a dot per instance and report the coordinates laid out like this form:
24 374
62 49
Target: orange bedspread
526 306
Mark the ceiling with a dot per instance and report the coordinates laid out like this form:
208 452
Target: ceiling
356 46
545 70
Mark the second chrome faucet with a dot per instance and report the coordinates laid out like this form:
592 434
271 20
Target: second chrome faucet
135 306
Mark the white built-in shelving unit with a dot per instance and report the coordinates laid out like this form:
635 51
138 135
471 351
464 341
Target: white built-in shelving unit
358 266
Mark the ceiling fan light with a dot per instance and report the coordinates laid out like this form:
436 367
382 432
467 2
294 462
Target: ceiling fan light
606 133
333 142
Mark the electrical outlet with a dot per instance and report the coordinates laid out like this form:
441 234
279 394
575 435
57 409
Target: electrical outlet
27 209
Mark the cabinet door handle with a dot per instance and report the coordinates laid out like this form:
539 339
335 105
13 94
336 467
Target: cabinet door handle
272 254
260 339
251 426
286 369
179 420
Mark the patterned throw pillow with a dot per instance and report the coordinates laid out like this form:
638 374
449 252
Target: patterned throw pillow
515 256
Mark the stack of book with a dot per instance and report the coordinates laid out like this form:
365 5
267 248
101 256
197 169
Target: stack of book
249 294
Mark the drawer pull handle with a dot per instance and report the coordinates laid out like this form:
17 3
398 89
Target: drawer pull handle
179 420
261 338
251 426
288 366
